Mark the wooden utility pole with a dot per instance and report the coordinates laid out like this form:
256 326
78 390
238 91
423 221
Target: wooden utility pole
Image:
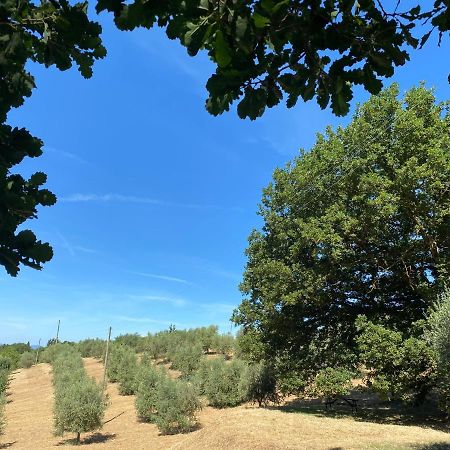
106 358
37 353
57 332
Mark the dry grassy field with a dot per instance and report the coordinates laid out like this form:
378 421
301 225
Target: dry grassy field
30 424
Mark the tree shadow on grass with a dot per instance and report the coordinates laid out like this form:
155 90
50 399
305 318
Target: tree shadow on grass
371 409
96 438
434 446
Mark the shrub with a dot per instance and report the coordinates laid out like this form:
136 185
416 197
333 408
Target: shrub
186 358
79 402
331 383
260 384
4 377
93 348
224 344
118 354
79 407
398 368
176 406
126 374
148 379
223 386
6 363
27 359
2 413
439 338
49 353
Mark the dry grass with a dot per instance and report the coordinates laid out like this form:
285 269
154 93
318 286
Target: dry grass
30 424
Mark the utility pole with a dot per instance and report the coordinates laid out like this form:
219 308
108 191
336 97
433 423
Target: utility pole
57 332
37 353
106 358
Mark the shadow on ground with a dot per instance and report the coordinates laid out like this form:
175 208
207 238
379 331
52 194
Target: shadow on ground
7 444
96 438
371 409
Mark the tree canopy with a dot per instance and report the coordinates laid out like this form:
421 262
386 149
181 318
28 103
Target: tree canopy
358 225
304 49
53 33
263 50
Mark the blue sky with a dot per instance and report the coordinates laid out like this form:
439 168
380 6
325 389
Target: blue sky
156 197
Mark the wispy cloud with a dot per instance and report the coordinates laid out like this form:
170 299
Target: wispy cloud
119 198
160 277
65 154
176 301
143 320
73 249
218 307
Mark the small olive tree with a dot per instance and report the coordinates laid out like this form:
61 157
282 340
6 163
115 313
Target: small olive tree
260 384
79 407
27 359
148 379
176 404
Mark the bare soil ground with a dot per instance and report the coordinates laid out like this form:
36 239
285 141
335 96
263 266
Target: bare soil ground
30 424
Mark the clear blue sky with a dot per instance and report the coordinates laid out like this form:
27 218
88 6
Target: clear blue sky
156 197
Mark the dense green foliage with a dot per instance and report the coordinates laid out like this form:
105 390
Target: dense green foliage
439 337
10 354
186 358
94 348
261 384
332 383
358 225
148 379
266 48
398 366
122 368
27 359
224 383
176 405
2 413
79 401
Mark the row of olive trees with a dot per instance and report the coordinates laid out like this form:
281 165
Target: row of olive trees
5 369
172 403
80 402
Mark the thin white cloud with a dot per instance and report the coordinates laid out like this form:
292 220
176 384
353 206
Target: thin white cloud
176 301
65 154
73 249
218 307
160 277
119 198
142 320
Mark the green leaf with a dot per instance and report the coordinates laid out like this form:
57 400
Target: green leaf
222 50
260 21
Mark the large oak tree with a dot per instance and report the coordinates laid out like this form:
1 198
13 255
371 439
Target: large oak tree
358 225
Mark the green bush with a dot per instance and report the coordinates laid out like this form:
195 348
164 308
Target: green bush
332 383
27 359
186 358
6 363
79 401
224 344
117 355
223 384
92 348
2 413
260 384
148 379
439 338
176 406
398 367
49 353
126 374
79 407
4 377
